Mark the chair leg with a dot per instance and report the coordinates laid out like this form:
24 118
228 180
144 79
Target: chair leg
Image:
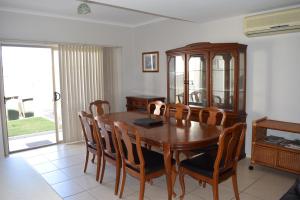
181 180
118 172
200 182
98 167
204 184
123 180
150 181
235 187
177 157
173 177
216 190
103 169
142 187
86 160
93 159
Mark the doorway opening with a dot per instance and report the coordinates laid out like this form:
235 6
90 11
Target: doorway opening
31 97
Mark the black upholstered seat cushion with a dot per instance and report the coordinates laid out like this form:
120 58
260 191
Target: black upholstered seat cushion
213 147
202 164
154 161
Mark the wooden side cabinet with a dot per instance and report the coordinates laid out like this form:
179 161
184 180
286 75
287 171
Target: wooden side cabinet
139 103
277 156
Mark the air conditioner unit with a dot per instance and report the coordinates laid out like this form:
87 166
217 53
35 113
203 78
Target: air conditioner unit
284 21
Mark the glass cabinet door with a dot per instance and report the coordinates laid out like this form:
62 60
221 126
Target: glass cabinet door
242 82
176 79
197 80
223 81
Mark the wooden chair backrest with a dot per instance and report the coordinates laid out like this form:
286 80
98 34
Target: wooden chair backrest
86 121
230 144
109 137
126 146
213 113
182 111
99 107
158 106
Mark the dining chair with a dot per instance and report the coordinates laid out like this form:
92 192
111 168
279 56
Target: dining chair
99 107
212 116
157 108
214 169
87 121
138 161
179 111
109 148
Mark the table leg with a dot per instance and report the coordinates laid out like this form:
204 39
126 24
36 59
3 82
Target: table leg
168 168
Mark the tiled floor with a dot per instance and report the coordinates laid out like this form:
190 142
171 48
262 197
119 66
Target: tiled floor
62 167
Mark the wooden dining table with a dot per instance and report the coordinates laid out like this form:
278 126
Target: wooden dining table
172 135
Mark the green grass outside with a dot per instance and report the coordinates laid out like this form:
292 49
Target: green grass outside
29 126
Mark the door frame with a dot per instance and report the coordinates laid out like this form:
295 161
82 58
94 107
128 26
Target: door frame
3 117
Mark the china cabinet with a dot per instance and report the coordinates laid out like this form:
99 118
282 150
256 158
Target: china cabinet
209 74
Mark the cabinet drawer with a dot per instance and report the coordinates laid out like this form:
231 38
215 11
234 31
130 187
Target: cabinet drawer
265 155
289 160
139 103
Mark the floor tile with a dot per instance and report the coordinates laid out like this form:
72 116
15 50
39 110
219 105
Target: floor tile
207 194
45 167
74 171
67 161
86 181
276 184
103 191
55 177
19 181
36 160
244 196
190 184
81 196
190 196
155 192
67 188
62 167
135 196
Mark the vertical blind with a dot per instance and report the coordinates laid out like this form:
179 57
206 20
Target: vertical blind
81 76
111 69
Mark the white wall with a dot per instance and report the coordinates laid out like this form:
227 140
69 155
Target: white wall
273 64
273 69
25 27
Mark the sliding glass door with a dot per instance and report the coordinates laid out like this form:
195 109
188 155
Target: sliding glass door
31 97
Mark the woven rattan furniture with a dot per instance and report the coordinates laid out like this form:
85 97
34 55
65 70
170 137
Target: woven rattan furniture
274 155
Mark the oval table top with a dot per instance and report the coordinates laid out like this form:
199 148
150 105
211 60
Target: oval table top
180 134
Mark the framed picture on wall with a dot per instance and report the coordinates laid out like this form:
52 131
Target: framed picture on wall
150 61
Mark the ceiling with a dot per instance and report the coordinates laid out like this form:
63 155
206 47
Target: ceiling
133 13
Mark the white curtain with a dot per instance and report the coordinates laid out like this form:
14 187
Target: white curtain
81 76
111 69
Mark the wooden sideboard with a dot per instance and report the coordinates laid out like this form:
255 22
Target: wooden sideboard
139 103
274 155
